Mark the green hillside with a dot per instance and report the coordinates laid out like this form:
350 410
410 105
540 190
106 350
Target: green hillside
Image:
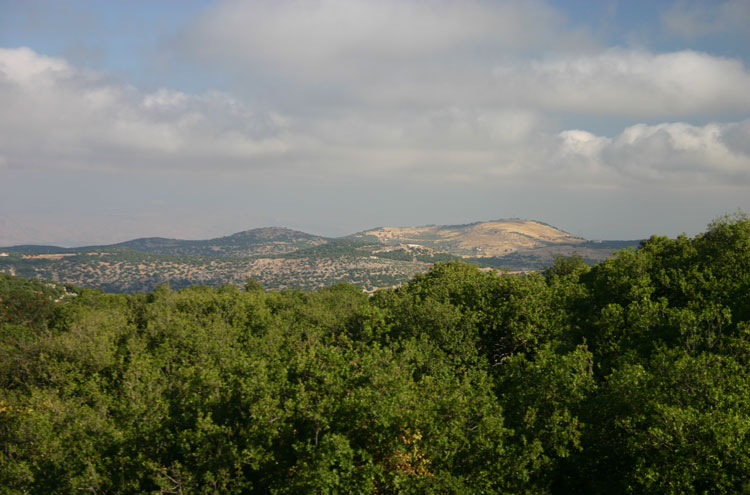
268 241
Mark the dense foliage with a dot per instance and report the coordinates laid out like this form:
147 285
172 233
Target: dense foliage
627 377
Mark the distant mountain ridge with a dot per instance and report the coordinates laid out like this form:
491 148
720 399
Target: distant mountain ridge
281 257
265 240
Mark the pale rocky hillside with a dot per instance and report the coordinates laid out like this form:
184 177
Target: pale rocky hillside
484 239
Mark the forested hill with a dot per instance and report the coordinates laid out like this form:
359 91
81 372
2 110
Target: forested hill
630 376
267 240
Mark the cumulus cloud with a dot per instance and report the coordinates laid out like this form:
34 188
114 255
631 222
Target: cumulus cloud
59 117
630 83
394 54
669 154
55 115
519 146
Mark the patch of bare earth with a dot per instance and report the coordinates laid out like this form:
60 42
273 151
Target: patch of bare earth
486 239
57 256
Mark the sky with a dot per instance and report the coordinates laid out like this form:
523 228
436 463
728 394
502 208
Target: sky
195 119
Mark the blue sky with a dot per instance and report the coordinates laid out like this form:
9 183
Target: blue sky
192 119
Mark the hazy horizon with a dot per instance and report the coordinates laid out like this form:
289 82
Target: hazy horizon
116 237
197 119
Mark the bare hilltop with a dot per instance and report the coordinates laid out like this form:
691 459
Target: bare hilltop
481 239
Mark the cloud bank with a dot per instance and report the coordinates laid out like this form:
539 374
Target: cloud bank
630 83
397 54
60 117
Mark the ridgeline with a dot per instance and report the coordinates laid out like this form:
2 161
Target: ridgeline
281 258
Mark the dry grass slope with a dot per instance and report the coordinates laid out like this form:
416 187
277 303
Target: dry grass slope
485 239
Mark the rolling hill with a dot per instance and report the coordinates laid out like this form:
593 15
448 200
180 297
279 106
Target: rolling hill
481 239
265 241
284 258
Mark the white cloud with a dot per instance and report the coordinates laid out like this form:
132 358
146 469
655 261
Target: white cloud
23 66
630 83
327 39
328 55
674 154
60 118
55 115
385 54
477 147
